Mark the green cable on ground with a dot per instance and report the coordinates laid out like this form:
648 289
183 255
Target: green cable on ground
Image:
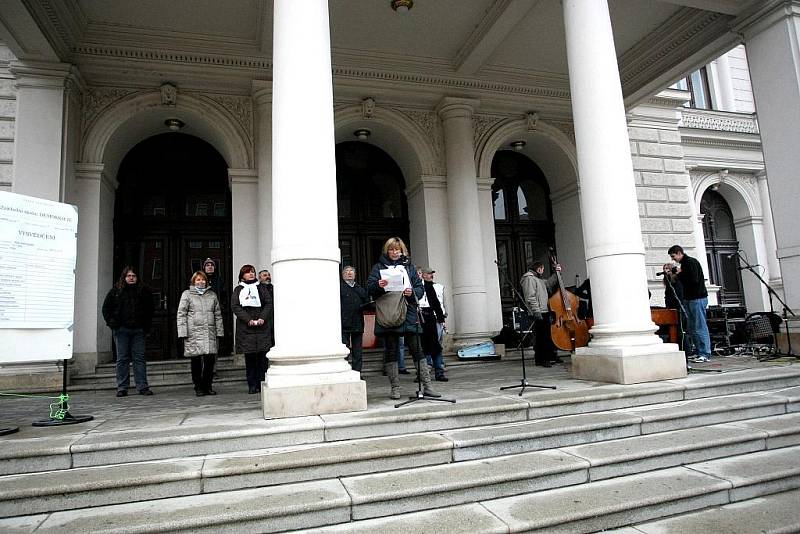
30 396
58 410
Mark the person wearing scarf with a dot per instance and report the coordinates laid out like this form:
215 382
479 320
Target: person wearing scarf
200 327
395 254
252 305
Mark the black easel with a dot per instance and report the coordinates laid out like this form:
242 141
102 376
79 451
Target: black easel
521 347
682 315
786 309
62 416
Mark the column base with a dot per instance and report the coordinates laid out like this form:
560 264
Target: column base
316 399
629 365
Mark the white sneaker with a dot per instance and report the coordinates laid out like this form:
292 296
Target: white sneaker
699 359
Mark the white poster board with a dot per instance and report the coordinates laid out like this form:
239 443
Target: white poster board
38 250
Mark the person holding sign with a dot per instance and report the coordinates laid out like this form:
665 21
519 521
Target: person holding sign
128 312
394 278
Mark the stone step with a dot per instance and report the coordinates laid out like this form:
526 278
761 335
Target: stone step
398 459
586 507
771 513
199 435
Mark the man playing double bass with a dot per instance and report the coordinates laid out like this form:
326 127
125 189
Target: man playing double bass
536 290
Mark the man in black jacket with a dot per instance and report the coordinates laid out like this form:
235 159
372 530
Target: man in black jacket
128 312
354 298
690 275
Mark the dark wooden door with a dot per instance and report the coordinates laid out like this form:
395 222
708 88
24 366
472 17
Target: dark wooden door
372 204
721 246
172 211
523 225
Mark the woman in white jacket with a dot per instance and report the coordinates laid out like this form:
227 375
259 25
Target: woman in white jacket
200 327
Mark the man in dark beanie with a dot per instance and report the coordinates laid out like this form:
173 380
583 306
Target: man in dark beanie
215 283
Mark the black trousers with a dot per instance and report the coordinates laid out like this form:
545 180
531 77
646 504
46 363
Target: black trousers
203 371
355 341
256 365
544 349
392 343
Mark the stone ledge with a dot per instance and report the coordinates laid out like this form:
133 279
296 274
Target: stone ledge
317 399
629 365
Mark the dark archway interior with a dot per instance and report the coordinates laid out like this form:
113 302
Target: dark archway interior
172 210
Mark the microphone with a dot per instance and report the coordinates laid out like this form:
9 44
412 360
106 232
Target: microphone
662 273
733 255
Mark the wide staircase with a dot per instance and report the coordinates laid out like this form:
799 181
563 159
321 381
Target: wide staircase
708 453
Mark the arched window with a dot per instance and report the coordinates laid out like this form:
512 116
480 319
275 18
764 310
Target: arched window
721 243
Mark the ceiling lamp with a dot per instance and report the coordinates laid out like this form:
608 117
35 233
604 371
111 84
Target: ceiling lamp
402 6
362 134
517 145
174 124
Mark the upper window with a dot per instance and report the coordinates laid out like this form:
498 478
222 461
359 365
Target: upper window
697 85
520 191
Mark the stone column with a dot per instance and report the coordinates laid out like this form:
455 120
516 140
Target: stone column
244 218
494 305
726 101
39 139
262 98
308 374
773 267
773 51
624 348
94 196
466 240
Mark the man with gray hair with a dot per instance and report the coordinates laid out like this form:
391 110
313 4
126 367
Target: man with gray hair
353 299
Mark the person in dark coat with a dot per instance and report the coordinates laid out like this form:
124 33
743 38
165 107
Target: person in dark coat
216 284
433 318
353 299
695 299
395 258
251 303
128 312
265 278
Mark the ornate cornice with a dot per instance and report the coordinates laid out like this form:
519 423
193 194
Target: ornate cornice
173 56
686 32
690 140
719 121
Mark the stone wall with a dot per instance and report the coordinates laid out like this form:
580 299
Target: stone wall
8 108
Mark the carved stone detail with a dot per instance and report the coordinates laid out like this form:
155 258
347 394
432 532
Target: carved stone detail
484 124
98 99
707 121
531 120
169 94
428 122
240 107
367 108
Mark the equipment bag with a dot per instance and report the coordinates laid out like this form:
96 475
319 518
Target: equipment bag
390 309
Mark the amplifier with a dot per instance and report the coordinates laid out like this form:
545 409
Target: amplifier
734 312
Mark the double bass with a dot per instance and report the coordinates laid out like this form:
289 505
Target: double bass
567 331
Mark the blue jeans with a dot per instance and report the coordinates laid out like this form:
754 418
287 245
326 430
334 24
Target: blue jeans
698 329
437 360
130 343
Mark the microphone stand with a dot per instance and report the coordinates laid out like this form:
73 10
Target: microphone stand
521 347
682 315
786 309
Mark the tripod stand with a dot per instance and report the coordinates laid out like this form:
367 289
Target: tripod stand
786 309
682 315
521 346
420 395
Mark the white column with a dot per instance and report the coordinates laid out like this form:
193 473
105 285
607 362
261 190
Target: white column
624 348
262 98
94 196
39 139
466 245
308 374
773 267
494 305
772 38
244 218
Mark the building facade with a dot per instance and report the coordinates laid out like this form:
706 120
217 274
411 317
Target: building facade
297 135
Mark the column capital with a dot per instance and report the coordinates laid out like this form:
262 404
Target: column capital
485 184
451 107
95 172
766 15
43 74
262 92
242 176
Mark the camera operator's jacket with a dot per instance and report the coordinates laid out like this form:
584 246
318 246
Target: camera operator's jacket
537 290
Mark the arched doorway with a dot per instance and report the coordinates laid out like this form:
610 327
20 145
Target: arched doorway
172 210
372 204
721 244
523 218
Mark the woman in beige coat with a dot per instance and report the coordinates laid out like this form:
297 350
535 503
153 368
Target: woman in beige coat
200 327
